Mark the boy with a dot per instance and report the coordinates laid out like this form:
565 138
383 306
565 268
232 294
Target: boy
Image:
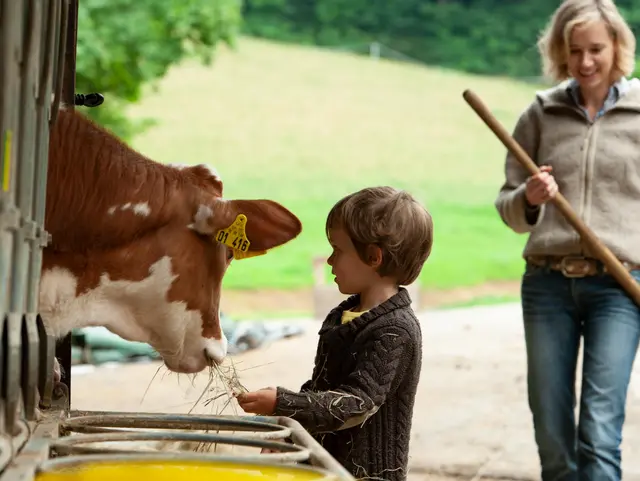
359 401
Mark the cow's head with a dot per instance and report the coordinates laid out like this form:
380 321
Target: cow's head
134 244
193 346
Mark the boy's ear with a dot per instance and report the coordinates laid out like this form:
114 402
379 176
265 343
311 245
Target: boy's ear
374 256
269 224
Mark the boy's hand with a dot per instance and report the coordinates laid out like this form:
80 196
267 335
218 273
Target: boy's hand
261 402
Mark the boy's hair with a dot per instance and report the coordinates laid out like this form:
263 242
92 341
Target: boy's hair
392 220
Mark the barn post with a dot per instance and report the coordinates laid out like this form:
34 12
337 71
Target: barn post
23 180
63 350
42 343
22 321
11 28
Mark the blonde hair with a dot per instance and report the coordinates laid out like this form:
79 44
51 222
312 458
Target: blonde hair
392 220
554 41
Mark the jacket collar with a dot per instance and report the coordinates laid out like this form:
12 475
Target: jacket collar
398 301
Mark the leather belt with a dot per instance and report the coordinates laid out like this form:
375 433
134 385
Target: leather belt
574 265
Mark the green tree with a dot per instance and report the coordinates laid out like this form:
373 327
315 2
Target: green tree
479 36
124 45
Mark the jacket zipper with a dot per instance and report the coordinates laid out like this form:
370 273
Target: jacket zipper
586 166
588 162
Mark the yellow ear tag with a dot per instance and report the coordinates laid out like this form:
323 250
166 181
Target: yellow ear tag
235 237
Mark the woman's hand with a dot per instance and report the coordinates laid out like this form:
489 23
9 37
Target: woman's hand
541 187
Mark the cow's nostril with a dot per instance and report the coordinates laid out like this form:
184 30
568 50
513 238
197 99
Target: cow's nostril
211 362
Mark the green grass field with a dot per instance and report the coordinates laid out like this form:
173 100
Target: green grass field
305 126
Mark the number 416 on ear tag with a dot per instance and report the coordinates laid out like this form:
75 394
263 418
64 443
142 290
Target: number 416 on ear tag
235 237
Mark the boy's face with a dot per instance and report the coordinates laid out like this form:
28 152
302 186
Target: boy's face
351 274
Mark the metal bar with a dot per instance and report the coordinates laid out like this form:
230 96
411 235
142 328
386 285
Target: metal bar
102 421
43 108
12 343
32 385
78 421
22 371
319 456
26 152
11 28
63 350
4 355
69 79
47 346
60 46
51 80
284 452
30 363
45 373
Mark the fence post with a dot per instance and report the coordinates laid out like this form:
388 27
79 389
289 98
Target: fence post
374 50
11 47
63 349
54 31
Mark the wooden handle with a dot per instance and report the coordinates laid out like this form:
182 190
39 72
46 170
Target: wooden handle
601 251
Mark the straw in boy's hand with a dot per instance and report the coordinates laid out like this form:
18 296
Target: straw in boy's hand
261 402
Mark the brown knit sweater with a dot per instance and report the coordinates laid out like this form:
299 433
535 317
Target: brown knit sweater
359 402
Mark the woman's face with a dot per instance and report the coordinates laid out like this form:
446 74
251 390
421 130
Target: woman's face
591 55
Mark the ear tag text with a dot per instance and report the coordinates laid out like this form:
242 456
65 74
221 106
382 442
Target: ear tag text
235 237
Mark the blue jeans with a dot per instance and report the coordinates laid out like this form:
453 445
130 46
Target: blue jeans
557 312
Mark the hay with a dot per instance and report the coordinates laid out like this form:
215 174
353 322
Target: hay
223 381
223 384
228 377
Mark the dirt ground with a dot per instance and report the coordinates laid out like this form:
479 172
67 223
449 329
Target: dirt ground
471 419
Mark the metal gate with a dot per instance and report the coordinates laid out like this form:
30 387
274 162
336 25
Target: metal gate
31 49
38 430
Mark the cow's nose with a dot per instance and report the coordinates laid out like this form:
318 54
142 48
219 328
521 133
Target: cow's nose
215 350
207 356
211 359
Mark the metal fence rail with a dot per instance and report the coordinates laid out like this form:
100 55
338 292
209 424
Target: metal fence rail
66 439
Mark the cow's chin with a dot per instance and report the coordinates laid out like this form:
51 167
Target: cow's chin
189 365
209 352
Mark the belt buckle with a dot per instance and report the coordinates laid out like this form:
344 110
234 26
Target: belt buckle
570 273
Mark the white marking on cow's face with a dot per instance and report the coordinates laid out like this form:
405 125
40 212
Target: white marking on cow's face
141 208
213 171
178 166
217 349
201 222
136 311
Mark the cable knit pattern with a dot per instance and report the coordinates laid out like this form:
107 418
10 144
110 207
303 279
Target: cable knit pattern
359 401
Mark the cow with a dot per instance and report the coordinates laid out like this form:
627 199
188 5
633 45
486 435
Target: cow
138 246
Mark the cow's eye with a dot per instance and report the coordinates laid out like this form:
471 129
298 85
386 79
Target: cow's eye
229 255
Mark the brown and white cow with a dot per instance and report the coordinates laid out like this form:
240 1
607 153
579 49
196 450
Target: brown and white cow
133 244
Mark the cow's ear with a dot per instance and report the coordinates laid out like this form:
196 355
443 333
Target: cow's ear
268 224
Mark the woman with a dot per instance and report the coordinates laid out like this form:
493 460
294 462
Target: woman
585 135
